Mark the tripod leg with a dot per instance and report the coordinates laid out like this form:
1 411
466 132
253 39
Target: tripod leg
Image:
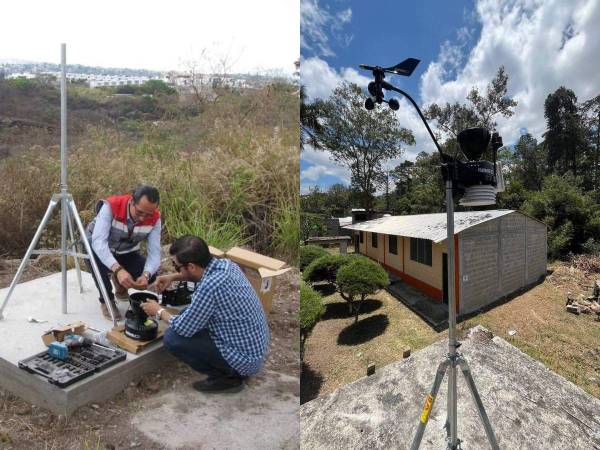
88 250
429 400
464 366
25 260
74 247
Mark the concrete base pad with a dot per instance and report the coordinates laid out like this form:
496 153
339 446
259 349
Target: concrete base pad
264 415
41 299
529 406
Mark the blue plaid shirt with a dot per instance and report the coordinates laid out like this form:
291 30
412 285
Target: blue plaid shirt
225 303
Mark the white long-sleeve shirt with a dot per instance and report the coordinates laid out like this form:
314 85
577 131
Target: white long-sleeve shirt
100 240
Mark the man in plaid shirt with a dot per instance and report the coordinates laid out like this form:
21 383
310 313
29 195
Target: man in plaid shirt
224 332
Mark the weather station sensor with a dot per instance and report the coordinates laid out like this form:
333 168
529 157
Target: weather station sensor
478 182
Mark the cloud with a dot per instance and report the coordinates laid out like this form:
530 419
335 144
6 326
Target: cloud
320 29
542 45
320 79
322 164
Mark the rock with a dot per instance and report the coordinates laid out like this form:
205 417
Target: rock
134 444
95 406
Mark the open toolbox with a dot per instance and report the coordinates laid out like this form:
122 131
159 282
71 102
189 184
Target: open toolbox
81 363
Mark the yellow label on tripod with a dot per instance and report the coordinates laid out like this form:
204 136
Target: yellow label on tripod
427 408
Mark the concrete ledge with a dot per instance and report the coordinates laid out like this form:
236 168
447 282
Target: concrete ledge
20 339
96 388
530 407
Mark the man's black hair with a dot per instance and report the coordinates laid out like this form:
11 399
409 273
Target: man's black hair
150 192
191 249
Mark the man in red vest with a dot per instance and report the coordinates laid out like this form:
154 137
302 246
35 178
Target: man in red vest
121 224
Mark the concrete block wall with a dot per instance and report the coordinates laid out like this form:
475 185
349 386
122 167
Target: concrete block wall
479 266
513 263
499 257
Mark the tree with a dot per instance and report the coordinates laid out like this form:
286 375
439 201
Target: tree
359 278
359 139
311 309
325 268
590 111
564 135
308 253
451 119
480 111
309 123
528 163
567 210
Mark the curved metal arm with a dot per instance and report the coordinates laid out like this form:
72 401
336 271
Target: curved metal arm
390 87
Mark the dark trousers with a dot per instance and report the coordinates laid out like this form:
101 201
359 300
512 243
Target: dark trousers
132 262
199 352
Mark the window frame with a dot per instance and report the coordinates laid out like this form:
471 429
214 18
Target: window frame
395 252
421 251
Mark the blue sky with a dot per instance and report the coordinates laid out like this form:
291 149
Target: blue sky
461 44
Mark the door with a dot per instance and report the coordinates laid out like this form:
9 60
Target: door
356 243
445 276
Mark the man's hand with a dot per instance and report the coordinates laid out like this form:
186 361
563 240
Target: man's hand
161 283
150 307
125 279
141 282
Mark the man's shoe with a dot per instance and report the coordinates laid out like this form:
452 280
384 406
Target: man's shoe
106 312
121 292
220 384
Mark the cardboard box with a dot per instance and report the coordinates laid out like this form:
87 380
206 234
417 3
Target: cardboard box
262 272
214 251
58 333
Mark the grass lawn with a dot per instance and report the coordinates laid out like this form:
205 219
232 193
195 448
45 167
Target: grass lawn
338 351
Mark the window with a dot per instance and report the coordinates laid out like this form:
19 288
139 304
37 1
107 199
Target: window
362 236
374 240
393 244
420 250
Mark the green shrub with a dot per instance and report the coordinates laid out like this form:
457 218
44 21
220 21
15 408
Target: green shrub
324 268
308 253
359 278
311 309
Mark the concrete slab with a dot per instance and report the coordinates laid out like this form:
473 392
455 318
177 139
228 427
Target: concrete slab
530 407
20 339
264 415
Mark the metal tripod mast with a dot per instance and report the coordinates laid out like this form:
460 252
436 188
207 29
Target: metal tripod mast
68 214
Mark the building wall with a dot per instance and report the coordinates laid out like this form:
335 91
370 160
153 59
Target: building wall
432 275
537 250
394 261
499 257
372 252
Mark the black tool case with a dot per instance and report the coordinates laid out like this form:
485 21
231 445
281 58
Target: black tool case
81 363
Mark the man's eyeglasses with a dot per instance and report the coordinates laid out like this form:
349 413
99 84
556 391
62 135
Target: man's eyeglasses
178 267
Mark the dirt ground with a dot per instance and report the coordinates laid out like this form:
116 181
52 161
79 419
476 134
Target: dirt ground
338 352
107 425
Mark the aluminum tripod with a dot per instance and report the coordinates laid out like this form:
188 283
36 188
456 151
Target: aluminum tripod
68 213
453 359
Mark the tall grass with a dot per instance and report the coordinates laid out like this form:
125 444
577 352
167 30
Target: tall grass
229 176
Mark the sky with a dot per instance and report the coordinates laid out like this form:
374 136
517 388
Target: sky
257 36
542 45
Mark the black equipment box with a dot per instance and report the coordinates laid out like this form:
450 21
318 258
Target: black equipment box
81 363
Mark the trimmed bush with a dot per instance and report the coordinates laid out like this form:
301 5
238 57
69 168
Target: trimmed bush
359 278
311 309
325 268
308 253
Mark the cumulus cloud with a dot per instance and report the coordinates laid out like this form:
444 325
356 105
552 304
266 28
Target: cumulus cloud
542 45
318 27
320 79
